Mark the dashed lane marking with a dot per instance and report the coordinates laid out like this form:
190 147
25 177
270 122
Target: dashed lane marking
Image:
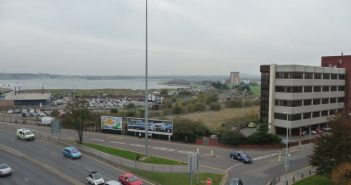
185 152
164 149
117 142
137 145
265 156
97 139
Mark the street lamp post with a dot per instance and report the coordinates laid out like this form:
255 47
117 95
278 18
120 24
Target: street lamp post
286 150
146 85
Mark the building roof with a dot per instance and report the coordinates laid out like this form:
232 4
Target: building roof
28 96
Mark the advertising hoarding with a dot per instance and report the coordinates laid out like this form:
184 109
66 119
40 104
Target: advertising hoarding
161 127
111 123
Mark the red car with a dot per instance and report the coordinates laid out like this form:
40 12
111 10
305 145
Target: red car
129 179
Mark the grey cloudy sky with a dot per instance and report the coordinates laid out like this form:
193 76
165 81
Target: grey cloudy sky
186 37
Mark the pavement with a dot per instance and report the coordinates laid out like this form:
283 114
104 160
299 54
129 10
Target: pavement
295 176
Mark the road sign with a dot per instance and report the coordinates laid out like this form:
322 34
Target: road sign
55 127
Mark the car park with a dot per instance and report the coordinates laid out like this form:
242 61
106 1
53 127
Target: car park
235 181
25 134
71 152
95 178
5 170
112 182
240 156
129 179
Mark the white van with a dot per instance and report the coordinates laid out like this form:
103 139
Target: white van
25 134
46 120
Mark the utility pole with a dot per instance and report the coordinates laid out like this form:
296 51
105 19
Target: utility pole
146 86
286 154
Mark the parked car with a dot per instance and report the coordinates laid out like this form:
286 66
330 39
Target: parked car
25 134
25 114
46 121
302 133
240 156
112 182
129 179
71 153
95 178
10 111
5 170
252 125
235 181
326 128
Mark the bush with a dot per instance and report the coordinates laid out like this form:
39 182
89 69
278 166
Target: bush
233 103
233 138
200 106
215 106
187 130
263 138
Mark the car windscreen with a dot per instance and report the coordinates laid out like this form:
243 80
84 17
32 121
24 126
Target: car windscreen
73 150
3 166
96 176
132 178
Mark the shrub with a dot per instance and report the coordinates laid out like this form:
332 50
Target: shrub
200 106
187 130
215 106
233 138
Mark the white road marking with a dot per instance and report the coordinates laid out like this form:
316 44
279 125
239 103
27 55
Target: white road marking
97 139
70 138
164 149
122 143
265 156
233 167
185 152
137 145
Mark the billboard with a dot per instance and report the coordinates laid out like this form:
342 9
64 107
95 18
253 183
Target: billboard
161 127
111 123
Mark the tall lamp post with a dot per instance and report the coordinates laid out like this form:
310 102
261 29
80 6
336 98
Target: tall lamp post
286 149
146 86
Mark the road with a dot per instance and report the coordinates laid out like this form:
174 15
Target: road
267 162
50 156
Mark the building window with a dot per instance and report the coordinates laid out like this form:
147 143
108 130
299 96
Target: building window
279 75
325 100
317 89
326 76
308 75
306 115
340 99
294 117
341 77
296 75
334 76
280 116
332 100
279 88
307 89
325 88
333 88
324 113
332 112
316 114
341 88
316 101
317 76
289 89
307 102
297 103
297 89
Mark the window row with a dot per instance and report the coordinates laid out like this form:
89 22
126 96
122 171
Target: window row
300 89
306 115
303 75
308 102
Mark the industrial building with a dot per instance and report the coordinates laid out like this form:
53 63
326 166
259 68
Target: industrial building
28 99
299 97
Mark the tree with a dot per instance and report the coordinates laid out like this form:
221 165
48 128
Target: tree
164 93
79 117
114 110
215 106
341 175
333 149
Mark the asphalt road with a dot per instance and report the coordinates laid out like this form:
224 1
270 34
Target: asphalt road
266 165
50 155
27 173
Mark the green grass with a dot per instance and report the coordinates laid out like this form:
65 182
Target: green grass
255 89
314 180
177 178
132 155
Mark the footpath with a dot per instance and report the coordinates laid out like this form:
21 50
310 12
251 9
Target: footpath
293 177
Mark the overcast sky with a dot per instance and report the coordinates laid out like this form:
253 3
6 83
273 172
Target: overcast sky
186 37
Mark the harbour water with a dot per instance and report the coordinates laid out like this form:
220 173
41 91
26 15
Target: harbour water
79 83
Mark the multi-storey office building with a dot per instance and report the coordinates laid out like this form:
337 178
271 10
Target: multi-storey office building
300 97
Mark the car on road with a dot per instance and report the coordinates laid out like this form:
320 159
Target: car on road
25 134
5 170
235 181
95 178
71 152
112 182
129 179
240 156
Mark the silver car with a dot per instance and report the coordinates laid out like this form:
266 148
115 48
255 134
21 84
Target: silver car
5 170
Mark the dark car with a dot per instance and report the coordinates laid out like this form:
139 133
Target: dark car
240 156
235 181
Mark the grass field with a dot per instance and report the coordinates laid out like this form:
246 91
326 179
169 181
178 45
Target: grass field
255 89
177 178
315 180
132 155
214 119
